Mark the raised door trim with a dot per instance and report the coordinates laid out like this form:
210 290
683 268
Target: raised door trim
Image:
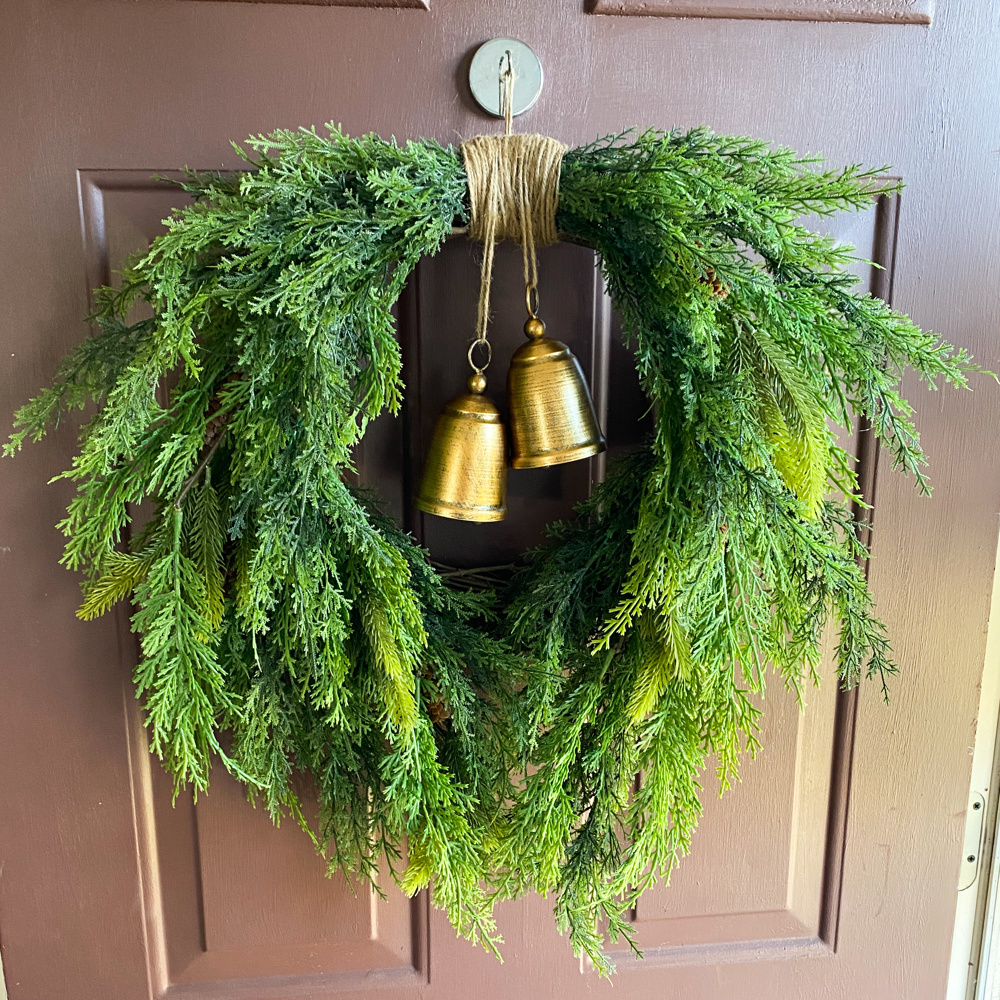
781 934
872 11
191 970
404 4
751 937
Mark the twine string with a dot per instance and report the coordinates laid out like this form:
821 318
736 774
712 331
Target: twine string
513 194
507 93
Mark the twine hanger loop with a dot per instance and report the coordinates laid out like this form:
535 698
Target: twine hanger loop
513 194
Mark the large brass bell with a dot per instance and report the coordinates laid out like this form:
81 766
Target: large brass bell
552 417
465 474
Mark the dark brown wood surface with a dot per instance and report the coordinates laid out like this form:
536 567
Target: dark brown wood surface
830 873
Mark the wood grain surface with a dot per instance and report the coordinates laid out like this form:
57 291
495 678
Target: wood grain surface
830 873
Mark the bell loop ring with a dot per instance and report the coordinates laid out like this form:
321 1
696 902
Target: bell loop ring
531 300
485 344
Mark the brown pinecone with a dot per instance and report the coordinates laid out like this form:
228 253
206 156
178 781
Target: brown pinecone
718 288
439 712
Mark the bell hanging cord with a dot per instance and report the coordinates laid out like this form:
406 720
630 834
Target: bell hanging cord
513 194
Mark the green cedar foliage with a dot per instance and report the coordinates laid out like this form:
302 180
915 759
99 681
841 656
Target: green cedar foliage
488 747
652 616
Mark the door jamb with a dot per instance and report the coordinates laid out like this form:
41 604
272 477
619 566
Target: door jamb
975 957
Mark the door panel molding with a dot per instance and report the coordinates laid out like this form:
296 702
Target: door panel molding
95 187
773 949
398 4
808 925
883 255
200 943
204 935
872 11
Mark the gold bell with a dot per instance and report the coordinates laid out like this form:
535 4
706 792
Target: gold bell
465 475
552 417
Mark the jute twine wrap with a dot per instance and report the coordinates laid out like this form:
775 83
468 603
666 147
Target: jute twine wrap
513 193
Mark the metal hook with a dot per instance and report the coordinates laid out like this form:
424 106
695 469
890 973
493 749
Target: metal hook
492 68
506 81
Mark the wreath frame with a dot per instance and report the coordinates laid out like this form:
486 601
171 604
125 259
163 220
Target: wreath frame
484 741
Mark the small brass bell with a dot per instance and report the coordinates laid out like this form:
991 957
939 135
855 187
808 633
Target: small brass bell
552 417
465 474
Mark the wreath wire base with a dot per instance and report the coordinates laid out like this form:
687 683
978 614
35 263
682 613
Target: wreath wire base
491 722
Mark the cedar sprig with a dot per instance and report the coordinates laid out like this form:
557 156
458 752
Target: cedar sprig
550 738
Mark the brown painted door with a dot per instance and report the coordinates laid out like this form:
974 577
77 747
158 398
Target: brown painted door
831 871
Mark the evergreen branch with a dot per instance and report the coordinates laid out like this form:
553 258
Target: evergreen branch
480 731
201 467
